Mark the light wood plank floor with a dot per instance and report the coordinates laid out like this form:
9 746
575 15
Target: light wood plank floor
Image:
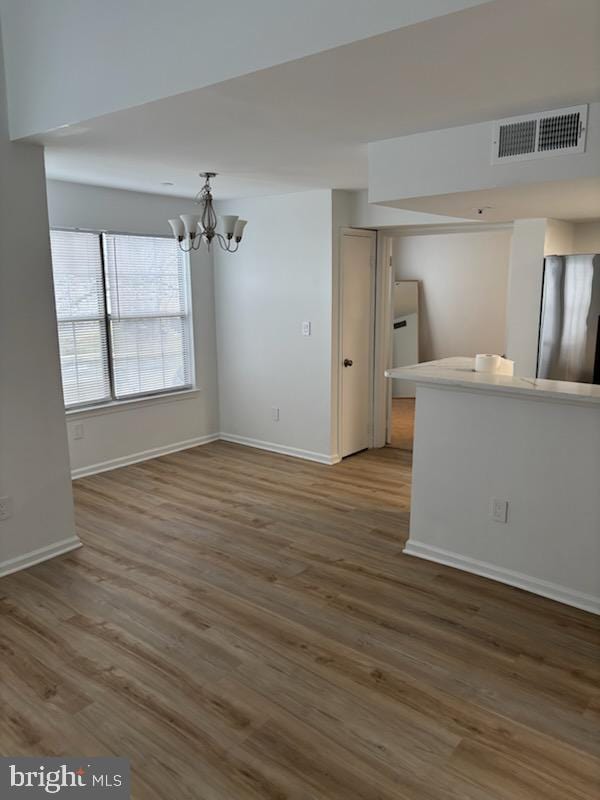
243 626
403 422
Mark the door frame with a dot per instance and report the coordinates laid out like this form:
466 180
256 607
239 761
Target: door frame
382 324
338 328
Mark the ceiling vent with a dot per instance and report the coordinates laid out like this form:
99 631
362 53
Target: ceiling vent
550 133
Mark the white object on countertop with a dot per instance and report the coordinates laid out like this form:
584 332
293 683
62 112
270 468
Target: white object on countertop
507 367
487 362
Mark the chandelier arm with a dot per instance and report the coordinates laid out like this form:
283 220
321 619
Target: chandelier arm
222 241
227 244
224 244
184 249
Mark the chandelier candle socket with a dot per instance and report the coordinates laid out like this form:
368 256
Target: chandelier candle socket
191 230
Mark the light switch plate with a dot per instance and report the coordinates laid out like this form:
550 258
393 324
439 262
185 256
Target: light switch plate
499 510
6 508
306 328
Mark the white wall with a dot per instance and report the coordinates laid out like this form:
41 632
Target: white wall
369 215
565 238
112 436
34 463
458 160
71 60
543 457
525 294
559 238
281 276
586 237
463 280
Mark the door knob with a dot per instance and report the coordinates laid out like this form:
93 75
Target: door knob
347 362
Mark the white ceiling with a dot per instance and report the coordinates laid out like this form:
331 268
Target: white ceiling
70 60
568 200
305 124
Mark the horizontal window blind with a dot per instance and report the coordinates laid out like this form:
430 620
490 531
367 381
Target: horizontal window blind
148 313
80 310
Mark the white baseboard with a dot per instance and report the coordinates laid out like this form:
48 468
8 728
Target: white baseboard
39 555
155 452
308 455
144 455
554 591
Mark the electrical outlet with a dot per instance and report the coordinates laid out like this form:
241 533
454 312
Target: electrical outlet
275 414
499 510
78 431
306 328
6 508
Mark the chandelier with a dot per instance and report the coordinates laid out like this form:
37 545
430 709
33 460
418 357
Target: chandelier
191 230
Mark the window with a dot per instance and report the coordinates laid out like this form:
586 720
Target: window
81 314
149 323
122 305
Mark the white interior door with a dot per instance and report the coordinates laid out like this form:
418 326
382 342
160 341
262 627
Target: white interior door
357 270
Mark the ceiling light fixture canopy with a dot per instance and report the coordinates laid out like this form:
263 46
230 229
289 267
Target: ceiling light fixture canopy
191 230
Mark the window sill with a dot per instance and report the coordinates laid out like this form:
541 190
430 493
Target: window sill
129 405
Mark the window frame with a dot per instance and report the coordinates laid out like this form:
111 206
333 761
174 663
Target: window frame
113 403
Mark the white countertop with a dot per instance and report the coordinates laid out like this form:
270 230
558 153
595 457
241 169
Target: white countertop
459 372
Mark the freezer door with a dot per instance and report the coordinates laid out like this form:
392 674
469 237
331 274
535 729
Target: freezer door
569 319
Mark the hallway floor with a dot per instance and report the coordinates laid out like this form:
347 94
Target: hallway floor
403 423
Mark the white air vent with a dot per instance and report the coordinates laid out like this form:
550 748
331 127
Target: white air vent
550 133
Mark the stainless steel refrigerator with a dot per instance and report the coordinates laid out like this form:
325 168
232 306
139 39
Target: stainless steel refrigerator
569 344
